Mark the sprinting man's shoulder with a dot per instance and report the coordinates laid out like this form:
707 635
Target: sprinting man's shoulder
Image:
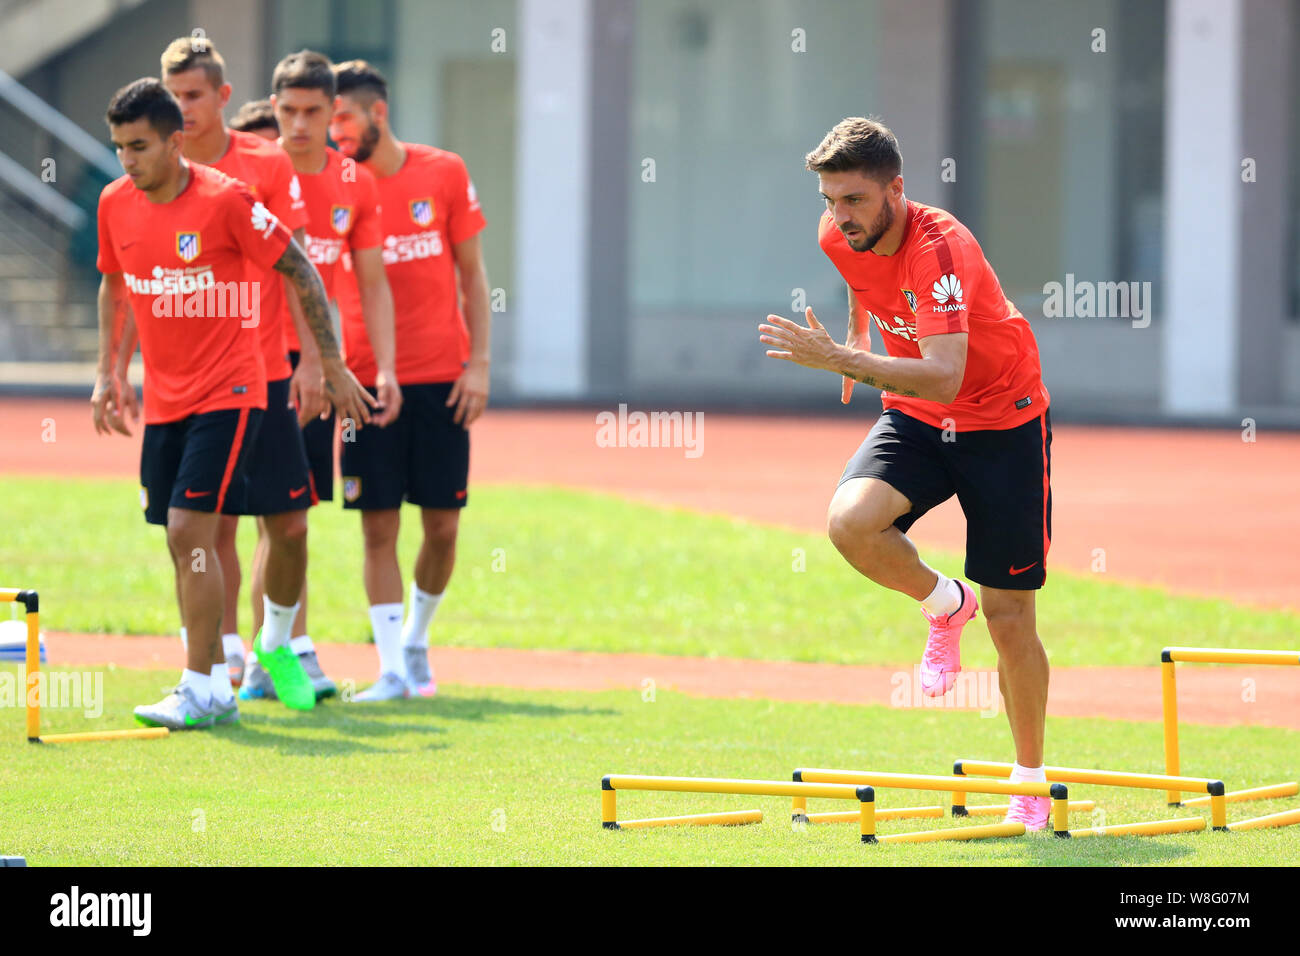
931 227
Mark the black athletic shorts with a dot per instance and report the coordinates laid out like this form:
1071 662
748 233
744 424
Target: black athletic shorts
1001 477
198 463
277 475
422 457
318 436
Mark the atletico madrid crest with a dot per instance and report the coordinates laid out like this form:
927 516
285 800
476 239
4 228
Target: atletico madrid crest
187 246
422 211
341 218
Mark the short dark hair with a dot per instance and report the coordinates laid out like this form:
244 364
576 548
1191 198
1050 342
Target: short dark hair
359 79
254 115
194 53
146 98
856 143
307 70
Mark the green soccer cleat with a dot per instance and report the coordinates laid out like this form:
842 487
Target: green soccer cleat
292 683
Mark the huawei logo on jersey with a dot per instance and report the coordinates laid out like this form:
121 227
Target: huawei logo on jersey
947 293
295 189
948 288
421 211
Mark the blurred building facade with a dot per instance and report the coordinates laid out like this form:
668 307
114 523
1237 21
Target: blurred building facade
641 167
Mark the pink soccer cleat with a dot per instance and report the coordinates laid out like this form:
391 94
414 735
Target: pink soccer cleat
941 662
1033 812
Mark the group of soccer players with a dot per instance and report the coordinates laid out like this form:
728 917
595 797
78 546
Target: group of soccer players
221 249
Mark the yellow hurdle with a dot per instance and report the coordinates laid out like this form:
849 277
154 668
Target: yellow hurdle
982 832
1115 778
1215 655
612 783
849 816
917 781
32 695
1254 793
958 787
1169 694
1285 818
1153 828
728 819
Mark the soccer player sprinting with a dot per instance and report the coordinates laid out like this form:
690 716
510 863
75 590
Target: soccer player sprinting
279 475
431 221
175 239
965 413
342 214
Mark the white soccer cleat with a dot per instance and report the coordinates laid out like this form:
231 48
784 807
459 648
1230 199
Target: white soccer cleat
388 687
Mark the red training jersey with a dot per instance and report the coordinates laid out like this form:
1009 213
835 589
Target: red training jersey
427 206
342 214
183 263
939 282
268 173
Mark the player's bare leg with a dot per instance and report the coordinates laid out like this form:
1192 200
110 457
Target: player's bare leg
860 523
191 539
1023 674
383 575
437 557
1023 671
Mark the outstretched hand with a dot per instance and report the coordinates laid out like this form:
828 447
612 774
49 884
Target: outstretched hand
812 346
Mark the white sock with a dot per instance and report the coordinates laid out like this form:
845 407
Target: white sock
185 643
277 624
1021 774
945 598
201 684
221 689
386 621
302 644
232 644
415 633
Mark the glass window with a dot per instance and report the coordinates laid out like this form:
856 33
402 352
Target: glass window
1067 120
728 96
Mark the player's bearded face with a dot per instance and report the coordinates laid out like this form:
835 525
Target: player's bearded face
879 226
352 129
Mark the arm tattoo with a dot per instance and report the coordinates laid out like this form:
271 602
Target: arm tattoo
295 265
884 386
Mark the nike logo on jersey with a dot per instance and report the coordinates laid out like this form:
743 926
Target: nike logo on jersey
196 494
299 492
1015 570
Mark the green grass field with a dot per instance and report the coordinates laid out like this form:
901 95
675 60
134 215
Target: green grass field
545 568
497 776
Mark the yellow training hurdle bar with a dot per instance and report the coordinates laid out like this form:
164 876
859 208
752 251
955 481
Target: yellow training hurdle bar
1113 778
912 781
33 688
612 783
1169 698
802 789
